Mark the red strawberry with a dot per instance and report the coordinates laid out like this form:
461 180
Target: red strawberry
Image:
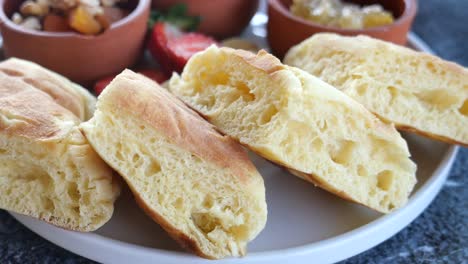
101 84
184 47
172 48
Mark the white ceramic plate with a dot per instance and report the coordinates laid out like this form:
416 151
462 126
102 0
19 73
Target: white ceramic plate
304 222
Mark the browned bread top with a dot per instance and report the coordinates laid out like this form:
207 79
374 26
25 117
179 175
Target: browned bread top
66 93
137 94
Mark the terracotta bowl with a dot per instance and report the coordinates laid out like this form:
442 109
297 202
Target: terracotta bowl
81 58
286 30
220 18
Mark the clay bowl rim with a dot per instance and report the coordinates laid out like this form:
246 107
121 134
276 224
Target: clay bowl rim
408 13
136 12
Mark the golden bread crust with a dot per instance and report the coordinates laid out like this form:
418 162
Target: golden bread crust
31 113
145 99
67 94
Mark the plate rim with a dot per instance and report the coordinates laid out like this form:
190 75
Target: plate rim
391 223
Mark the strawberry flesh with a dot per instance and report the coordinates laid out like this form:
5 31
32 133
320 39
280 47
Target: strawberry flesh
172 48
184 47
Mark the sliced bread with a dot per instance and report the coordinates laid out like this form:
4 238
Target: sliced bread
416 91
48 170
198 185
300 122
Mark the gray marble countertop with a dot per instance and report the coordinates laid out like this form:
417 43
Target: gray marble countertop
439 235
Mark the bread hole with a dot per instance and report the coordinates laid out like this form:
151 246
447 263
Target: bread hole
219 78
362 171
430 66
384 180
384 201
48 204
208 202
136 157
142 127
356 76
344 153
227 208
73 191
267 115
244 91
178 203
393 91
240 232
160 198
205 221
361 89
2 151
97 218
153 168
209 101
464 108
119 157
391 206
109 120
118 152
439 98
322 125
317 144
76 210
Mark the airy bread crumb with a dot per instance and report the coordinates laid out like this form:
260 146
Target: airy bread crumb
298 121
417 92
198 185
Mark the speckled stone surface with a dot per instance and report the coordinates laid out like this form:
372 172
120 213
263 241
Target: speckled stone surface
439 235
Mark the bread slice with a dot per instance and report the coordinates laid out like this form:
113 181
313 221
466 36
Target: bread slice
417 92
66 93
48 170
294 119
198 185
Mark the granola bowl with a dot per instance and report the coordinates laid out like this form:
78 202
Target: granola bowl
81 58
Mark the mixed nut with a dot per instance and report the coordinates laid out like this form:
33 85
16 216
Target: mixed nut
89 17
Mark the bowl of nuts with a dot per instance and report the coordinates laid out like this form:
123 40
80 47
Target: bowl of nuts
83 40
292 21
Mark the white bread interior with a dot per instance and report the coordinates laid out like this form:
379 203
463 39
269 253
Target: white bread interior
416 91
298 121
198 185
48 170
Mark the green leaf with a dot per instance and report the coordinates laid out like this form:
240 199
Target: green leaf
176 15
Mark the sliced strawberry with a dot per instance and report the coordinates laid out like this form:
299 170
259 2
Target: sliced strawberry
158 47
173 48
101 84
155 75
184 47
